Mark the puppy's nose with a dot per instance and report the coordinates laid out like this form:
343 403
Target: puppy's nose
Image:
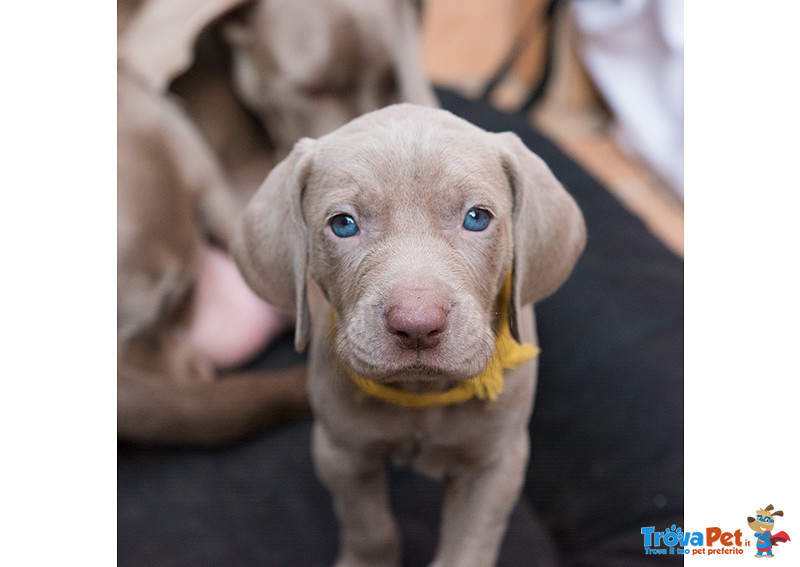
417 327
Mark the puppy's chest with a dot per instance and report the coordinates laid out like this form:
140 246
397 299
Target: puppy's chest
437 444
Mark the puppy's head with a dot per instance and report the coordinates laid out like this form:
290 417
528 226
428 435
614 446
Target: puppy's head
306 67
409 219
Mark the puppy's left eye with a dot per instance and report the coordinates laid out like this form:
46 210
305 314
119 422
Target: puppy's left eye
476 220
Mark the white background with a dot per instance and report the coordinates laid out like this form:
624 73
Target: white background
58 300
742 268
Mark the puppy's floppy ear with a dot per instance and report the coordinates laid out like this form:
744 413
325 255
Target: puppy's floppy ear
549 232
270 243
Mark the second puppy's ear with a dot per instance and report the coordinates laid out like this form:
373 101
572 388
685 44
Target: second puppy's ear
270 242
158 43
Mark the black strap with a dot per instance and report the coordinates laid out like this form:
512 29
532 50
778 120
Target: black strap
537 23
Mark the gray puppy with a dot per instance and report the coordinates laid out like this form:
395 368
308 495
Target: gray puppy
411 246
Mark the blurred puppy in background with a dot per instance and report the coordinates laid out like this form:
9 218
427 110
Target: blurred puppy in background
211 95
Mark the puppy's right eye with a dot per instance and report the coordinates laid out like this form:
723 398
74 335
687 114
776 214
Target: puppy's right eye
344 226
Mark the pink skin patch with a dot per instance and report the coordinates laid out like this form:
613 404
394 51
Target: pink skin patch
230 324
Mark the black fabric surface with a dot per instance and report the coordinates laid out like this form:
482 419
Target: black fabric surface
607 429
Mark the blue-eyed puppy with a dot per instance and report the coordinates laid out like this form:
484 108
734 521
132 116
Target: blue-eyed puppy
410 246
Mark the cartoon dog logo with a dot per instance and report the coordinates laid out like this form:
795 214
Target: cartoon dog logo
762 525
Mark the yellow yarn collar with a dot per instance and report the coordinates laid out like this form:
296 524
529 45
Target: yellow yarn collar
488 385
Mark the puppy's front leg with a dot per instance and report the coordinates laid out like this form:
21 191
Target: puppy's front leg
477 504
368 534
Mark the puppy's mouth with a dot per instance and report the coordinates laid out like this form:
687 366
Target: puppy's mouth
419 369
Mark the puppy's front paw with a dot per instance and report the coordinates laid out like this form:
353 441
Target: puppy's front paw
344 562
365 553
